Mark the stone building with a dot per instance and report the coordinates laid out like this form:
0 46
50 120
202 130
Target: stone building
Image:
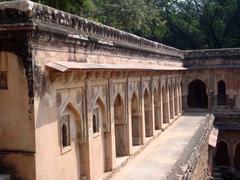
76 95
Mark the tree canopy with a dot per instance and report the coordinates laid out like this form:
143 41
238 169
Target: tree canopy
185 24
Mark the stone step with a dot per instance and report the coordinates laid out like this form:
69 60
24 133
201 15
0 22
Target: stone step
5 177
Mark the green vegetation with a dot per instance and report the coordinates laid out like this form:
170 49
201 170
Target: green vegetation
185 24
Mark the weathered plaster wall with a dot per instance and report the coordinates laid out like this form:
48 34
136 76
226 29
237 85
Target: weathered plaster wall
16 128
51 156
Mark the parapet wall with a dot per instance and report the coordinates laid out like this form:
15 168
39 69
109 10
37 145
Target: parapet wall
34 17
193 163
212 58
40 17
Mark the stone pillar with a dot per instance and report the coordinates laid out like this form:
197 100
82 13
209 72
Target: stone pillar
215 103
112 146
129 125
161 109
173 103
157 110
177 100
167 105
211 101
182 100
231 157
176 103
152 114
143 134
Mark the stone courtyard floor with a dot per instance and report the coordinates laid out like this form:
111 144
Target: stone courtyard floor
161 157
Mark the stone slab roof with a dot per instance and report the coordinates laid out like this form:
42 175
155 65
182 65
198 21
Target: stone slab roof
67 66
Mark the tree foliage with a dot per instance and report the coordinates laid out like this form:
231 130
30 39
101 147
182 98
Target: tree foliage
198 24
185 24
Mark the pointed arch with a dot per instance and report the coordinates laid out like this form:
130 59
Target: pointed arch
119 110
237 157
222 157
120 127
148 113
65 135
78 117
100 113
157 109
165 99
135 120
100 110
72 118
197 95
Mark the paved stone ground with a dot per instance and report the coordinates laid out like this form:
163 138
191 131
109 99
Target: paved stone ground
160 158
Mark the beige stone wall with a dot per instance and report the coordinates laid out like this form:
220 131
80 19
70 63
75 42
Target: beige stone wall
52 160
17 137
19 165
60 51
201 169
92 154
211 77
16 129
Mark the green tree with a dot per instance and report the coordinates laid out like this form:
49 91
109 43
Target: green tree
194 24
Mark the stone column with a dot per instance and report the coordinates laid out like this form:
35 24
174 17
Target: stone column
231 157
181 100
173 103
129 126
177 100
157 112
211 101
168 105
143 134
152 114
161 109
112 146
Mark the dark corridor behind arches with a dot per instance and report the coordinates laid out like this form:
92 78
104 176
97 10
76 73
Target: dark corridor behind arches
222 158
197 96
237 157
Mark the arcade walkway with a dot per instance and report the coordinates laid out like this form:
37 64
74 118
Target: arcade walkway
162 158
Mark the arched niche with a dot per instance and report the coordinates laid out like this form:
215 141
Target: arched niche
222 157
157 109
100 110
237 157
197 95
100 113
165 99
73 134
136 120
120 127
148 114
